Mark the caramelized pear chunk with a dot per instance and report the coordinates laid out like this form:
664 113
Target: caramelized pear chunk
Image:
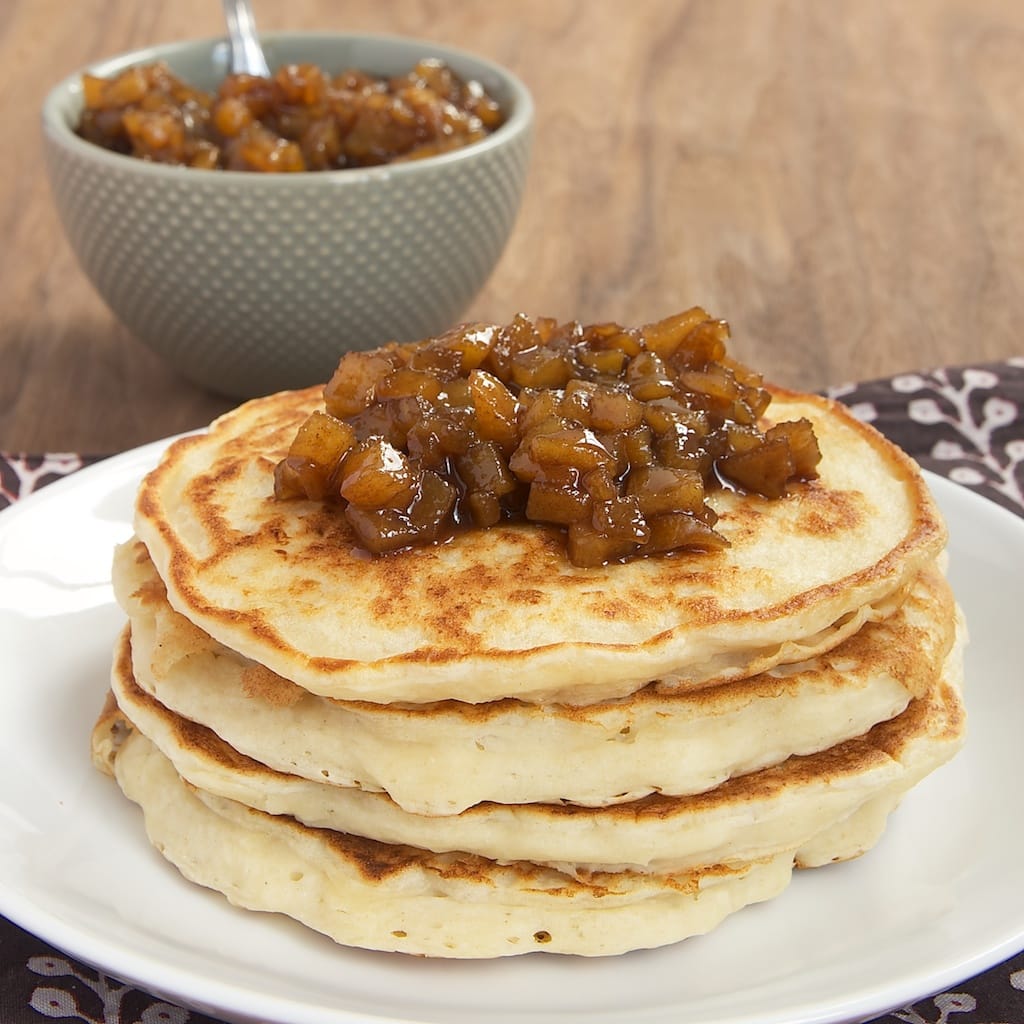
673 531
296 478
319 446
495 408
322 439
377 475
557 503
803 445
660 489
614 436
352 387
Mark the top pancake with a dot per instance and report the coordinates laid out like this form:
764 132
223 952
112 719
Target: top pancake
502 612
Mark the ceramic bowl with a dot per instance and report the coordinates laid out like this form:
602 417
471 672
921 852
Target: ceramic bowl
250 283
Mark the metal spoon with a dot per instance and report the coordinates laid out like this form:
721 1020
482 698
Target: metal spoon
246 54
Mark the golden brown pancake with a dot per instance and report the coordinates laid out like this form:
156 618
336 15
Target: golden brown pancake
501 612
747 818
444 757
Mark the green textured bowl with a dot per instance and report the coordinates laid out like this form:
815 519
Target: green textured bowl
252 283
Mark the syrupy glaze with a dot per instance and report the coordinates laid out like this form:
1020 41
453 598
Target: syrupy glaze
613 434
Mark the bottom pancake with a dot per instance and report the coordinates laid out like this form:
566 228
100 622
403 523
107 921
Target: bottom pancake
394 897
375 896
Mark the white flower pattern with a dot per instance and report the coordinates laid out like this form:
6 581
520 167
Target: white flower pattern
20 475
963 424
61 1003
945 1005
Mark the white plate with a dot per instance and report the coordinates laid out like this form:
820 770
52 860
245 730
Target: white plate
940 899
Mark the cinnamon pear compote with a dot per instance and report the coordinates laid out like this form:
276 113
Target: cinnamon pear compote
615 435
299 119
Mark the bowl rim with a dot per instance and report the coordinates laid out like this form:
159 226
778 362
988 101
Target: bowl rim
57 126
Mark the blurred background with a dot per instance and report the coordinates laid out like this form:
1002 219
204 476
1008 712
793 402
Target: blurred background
841 181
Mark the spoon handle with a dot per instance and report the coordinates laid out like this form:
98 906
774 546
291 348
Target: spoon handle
246 53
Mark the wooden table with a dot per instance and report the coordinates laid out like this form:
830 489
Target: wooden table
841 181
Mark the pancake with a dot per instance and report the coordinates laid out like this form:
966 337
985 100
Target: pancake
501 612
442 758
367 894
745 819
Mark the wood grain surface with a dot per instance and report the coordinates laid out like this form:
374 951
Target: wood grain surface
843 181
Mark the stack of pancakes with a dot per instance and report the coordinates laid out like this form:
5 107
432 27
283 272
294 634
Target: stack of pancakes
477 749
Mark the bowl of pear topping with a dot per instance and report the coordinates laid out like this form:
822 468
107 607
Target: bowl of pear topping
251 229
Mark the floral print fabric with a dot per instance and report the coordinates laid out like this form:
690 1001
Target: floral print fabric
966 424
